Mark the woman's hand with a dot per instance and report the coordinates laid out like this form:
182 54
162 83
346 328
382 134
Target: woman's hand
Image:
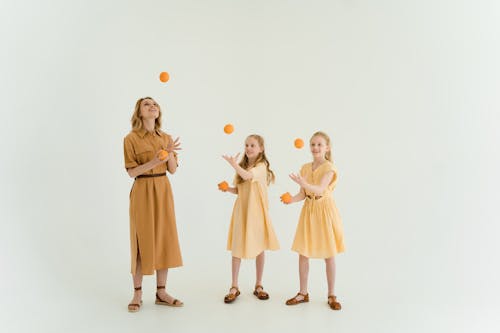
173 146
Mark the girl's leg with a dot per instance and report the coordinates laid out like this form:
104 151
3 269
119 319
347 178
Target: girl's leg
303 273
330 274
259 268
235 270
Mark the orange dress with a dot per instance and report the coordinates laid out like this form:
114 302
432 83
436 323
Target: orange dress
251 231
153 230
319 231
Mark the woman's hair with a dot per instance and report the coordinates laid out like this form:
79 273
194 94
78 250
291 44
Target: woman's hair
325 136
261 158
136 116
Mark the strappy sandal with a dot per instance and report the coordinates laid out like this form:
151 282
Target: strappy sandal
134 307
295 301
262 295
229 298
159 301
332 302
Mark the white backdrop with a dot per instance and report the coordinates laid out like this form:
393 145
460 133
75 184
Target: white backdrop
407 90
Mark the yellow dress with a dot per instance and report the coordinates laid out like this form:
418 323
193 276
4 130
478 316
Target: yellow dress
251 231
319 231
153 229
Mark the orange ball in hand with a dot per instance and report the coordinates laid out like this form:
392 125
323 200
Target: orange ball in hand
286 198
164 77
299 143
162 155
228 129
224 186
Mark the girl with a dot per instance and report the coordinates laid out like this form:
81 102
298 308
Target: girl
319 231
250 232
153 232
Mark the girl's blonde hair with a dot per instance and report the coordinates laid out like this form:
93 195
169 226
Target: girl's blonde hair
261 158
325 136
136 116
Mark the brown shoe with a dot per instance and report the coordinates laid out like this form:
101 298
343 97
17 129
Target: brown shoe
134 307
295 301
332 302
260 294
176 303
230 298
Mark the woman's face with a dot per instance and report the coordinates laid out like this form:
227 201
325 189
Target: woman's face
252 148
149 109
318 147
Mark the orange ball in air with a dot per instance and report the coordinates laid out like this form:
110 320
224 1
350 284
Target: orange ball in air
164 77
228 129
286 198
162 155
224 186
299 143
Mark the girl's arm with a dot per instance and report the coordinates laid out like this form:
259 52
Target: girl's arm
139 170
232 160
316 189
233 190
299 196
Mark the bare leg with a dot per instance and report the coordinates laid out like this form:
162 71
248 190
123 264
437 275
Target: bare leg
259 268
303 273
235 270
161 280
137 280
330 274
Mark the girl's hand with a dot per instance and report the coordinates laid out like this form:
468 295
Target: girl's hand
173 146
224 186
286 198
232 160
298 179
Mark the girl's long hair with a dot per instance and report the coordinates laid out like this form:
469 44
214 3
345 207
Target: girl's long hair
261 158
136 116
325 136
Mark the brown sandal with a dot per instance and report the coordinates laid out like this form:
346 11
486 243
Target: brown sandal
295 301
332 302
134 307
159 301
229 298
262 295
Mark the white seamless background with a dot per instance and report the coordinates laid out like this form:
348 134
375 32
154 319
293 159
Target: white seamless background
407 90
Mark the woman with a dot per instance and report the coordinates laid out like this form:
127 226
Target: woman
153 231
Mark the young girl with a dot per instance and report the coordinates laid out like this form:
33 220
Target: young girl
319 231
250 232
153 232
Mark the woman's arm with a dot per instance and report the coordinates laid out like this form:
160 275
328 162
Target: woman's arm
139 170
172 161
316 189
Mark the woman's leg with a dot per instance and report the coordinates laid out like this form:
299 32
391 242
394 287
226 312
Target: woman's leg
161 284
137 280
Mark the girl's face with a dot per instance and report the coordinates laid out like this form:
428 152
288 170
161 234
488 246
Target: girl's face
252 148
149 109
319 147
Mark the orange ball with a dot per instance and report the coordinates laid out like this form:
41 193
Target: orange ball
299 143
224 186
164 77
228 129
286 198
162 155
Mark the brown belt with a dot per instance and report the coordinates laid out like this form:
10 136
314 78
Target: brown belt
314 197
152 175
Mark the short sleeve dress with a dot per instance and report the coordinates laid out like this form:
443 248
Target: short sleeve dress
251 231
153 230
319 231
